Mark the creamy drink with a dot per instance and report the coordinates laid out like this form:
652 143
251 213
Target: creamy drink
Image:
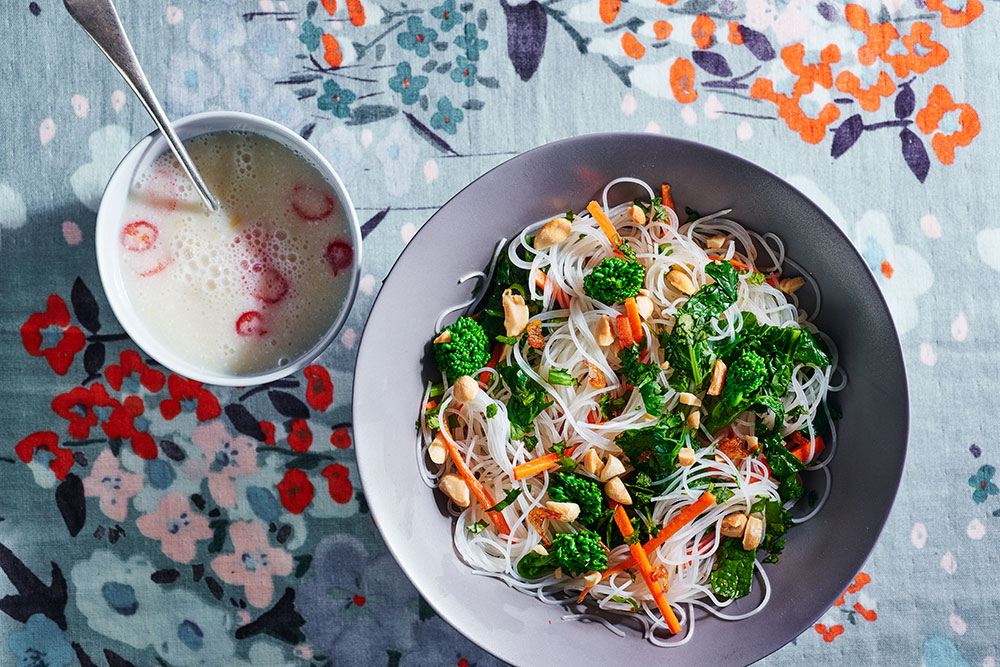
252 286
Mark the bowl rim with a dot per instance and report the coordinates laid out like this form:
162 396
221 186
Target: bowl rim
108 219
881 304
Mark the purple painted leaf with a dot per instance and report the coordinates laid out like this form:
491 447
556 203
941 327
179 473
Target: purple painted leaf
71 503
81 655
85 306
282 621
712 62
115 660
33 596
242 421
373 222
757 44
915 154
288 405
827 11
429 134
845 135
905 102
526 29
93 359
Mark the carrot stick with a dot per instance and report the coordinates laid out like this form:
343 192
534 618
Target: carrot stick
558 294
624 331
737 264
605 223
481 494
492 363
803 453
633 317
540 278
687 515
667 198
540 464
625 526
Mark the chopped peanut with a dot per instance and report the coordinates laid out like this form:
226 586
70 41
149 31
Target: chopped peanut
753 534
438 449
681 281
718 378
612 468
558 573
591 579
665 366
567 511
637 215
694 419
515 313
604 336
465 389
615 489
541 550
753 444
644 305
443 337
689 399
455 488
551 233
734 524
715 242
592 462
791 285
685 456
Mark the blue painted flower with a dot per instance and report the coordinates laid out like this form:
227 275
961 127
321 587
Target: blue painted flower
407 85
417 37
335 99
310 35
40 643
464 71
469 40
448 15
983 484
447 117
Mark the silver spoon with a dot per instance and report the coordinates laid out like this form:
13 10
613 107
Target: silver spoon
100 20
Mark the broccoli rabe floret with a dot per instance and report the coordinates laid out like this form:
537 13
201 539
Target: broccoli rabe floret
747 373
575 553
614 280
463 351
580 490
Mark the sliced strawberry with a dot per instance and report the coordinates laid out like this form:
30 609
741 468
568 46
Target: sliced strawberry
250 323
339 255
267 284
139 236
160 265
311 203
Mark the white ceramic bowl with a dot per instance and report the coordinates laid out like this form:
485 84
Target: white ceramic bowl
109 219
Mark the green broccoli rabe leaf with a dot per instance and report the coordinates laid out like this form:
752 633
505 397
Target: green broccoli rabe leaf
612 406
575 553
781 461
584 492
811 350
733 575
511 496
527 401
692 214
635 372
653 398
790 489
506 275
711 300
653 449
561 376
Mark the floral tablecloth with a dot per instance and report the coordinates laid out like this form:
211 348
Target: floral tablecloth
146 519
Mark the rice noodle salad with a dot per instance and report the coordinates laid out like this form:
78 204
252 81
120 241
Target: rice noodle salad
627 408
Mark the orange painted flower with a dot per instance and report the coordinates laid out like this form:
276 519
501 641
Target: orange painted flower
812 130
703 30
609 10
956 19
939 104
922 53
810 75
662 29
632 47
869 98
735 36
879 35
331 50
682 81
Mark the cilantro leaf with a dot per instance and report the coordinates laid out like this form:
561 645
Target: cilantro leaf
511 496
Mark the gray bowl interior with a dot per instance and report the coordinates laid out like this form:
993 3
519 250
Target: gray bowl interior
822 555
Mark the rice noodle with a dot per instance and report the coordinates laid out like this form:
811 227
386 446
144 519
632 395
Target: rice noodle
490 453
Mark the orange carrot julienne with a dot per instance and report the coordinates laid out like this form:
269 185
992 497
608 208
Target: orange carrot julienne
687 515
492 363
605 223
540 464
540 278
737 264
558 294
802 452
666 197
632 310
625 526
481 494
624 331
431 404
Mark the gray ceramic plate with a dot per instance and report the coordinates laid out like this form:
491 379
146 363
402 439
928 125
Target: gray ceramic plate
822 555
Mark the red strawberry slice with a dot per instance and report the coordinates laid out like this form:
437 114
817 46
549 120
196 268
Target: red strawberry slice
139 236
339 255
159 266
267 284
311 203
250 323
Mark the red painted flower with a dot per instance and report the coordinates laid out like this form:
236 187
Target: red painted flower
268 429
121 424
130 372
319 387
47 441
341 438
50 335
187 395
296 491
339 483
300 438
84 408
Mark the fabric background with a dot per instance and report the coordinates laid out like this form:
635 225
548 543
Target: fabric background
884 115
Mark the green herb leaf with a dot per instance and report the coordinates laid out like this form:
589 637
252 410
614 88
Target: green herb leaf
561 376
628 601
511 496
491 410
507 340
756 278
476 527
733 575
530 442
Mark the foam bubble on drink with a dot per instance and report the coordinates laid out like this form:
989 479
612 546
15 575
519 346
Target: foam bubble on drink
260 257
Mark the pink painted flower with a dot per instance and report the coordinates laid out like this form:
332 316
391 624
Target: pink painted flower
303 652
176 526
112 485
226 457
253 562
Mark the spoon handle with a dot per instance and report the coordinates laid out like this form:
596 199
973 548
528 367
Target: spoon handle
100 20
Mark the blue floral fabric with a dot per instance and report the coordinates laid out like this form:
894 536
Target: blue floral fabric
146 519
